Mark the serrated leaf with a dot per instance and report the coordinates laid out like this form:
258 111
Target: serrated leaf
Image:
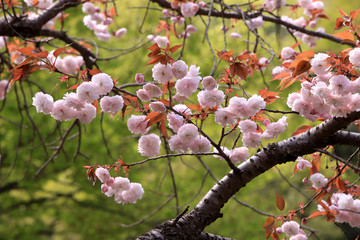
163 128
280 202
58 51
154 117
344 14
281 75
301 129
269 223
174 48
301 67
344 35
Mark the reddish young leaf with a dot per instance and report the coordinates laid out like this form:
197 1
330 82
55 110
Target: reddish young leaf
75 86
155 59
316 214
295 45
195 107
269 223
296 169
225 55
174 48
165 102
96 105
344 35
163 128
280 202
301 129
340 184
154 117
301 67
288 83
316 162
339 23
354 14
28 51
268 96
281 75
94 71
58 51
344 14
309 53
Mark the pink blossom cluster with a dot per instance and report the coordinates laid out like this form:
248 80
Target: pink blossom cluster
236 155
2 41
318 180
99 23
327 95
149 145
188 78
41 4
273 4
309 7
302 163
189 9
79 105
292 230
346 207
148 92
255 23
175 120
187 138
69 64
188 84
4 88
239 107
121 188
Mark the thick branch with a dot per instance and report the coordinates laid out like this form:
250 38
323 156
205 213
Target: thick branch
208 209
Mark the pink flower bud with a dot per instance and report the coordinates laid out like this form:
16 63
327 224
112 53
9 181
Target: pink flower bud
166 12
121 32
139 78
104 188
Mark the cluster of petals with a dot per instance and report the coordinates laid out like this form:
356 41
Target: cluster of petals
347 209
255 23
79 105
149 145
327 95
273 4
211 98
148 92
99 23
354 57
236 155
239 107
292 230
302 163
188 84
138 124
4 88
189 9
318 180
309 7
69 64
275 129
162 73
175 120
111 104
121 188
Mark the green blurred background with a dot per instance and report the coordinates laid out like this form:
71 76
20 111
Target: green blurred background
62 204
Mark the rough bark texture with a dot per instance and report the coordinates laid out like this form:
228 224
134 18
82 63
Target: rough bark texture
191 225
